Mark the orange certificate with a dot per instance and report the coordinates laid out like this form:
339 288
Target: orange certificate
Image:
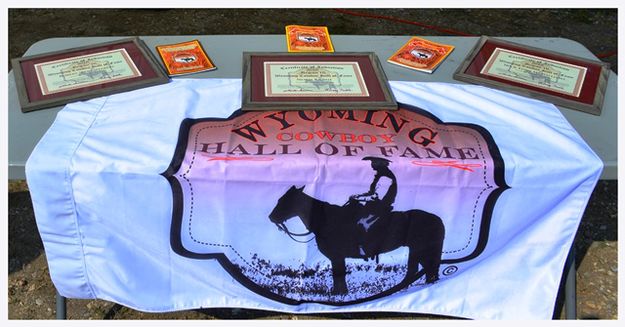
184 58
421 54
308 39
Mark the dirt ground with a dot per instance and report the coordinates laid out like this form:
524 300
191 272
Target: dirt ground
594 28
30 291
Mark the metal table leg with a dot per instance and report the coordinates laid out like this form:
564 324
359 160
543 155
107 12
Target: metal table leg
61 308
570 287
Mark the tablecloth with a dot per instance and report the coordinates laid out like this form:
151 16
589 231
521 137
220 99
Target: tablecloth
170 198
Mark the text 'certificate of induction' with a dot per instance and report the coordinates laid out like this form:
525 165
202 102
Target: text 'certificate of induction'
302 79
535 71
87 70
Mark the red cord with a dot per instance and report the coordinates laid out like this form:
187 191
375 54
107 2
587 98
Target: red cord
606 54
440 29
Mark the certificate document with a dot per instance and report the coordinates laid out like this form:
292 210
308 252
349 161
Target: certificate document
87 70
535 71
310 78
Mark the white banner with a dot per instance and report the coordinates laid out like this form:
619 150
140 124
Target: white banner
463 202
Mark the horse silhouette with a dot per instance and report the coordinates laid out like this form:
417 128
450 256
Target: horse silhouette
339 235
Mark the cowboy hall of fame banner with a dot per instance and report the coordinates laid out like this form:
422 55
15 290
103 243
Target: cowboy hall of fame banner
463 202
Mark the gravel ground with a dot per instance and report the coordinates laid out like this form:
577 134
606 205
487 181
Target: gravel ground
30 292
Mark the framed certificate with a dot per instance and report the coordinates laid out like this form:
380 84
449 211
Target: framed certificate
55 78
561 79
297 81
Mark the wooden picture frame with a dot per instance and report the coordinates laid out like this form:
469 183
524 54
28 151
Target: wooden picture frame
561 79
56 78
306 81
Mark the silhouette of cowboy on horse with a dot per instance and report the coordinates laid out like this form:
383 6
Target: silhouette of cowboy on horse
365 227
377 202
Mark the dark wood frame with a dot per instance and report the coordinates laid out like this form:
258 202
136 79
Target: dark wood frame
156 75
387 103
594 89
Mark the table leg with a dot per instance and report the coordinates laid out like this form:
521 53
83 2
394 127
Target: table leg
61 312
570 287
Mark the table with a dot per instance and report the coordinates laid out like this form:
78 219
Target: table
599 132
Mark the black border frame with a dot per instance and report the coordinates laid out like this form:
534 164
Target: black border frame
177 212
